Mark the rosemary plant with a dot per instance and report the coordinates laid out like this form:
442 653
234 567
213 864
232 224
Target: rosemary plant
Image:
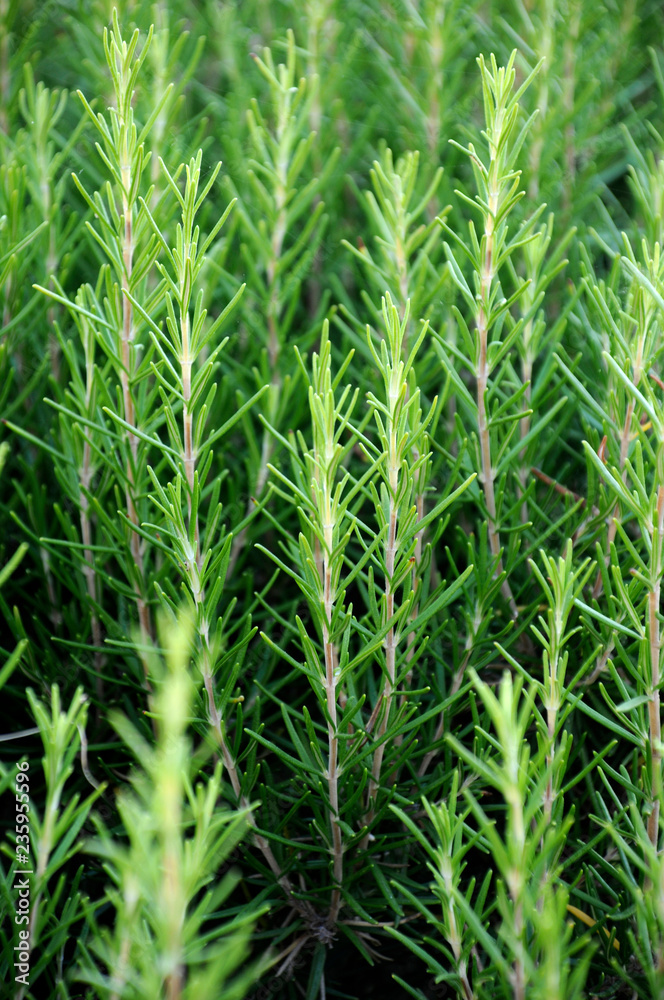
162 895
341 361
41 848
495 332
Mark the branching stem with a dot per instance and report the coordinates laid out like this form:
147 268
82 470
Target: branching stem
391 639
85 477
230 764
127 337
624 447
333 744
482 374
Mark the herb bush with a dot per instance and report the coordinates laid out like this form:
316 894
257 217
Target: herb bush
332 498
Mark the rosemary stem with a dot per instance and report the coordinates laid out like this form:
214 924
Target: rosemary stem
333 745
482 374
654 641
127 337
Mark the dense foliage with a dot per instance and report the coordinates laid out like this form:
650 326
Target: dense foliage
332 498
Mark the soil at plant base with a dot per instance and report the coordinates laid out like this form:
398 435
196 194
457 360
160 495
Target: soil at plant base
353 977
348 976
